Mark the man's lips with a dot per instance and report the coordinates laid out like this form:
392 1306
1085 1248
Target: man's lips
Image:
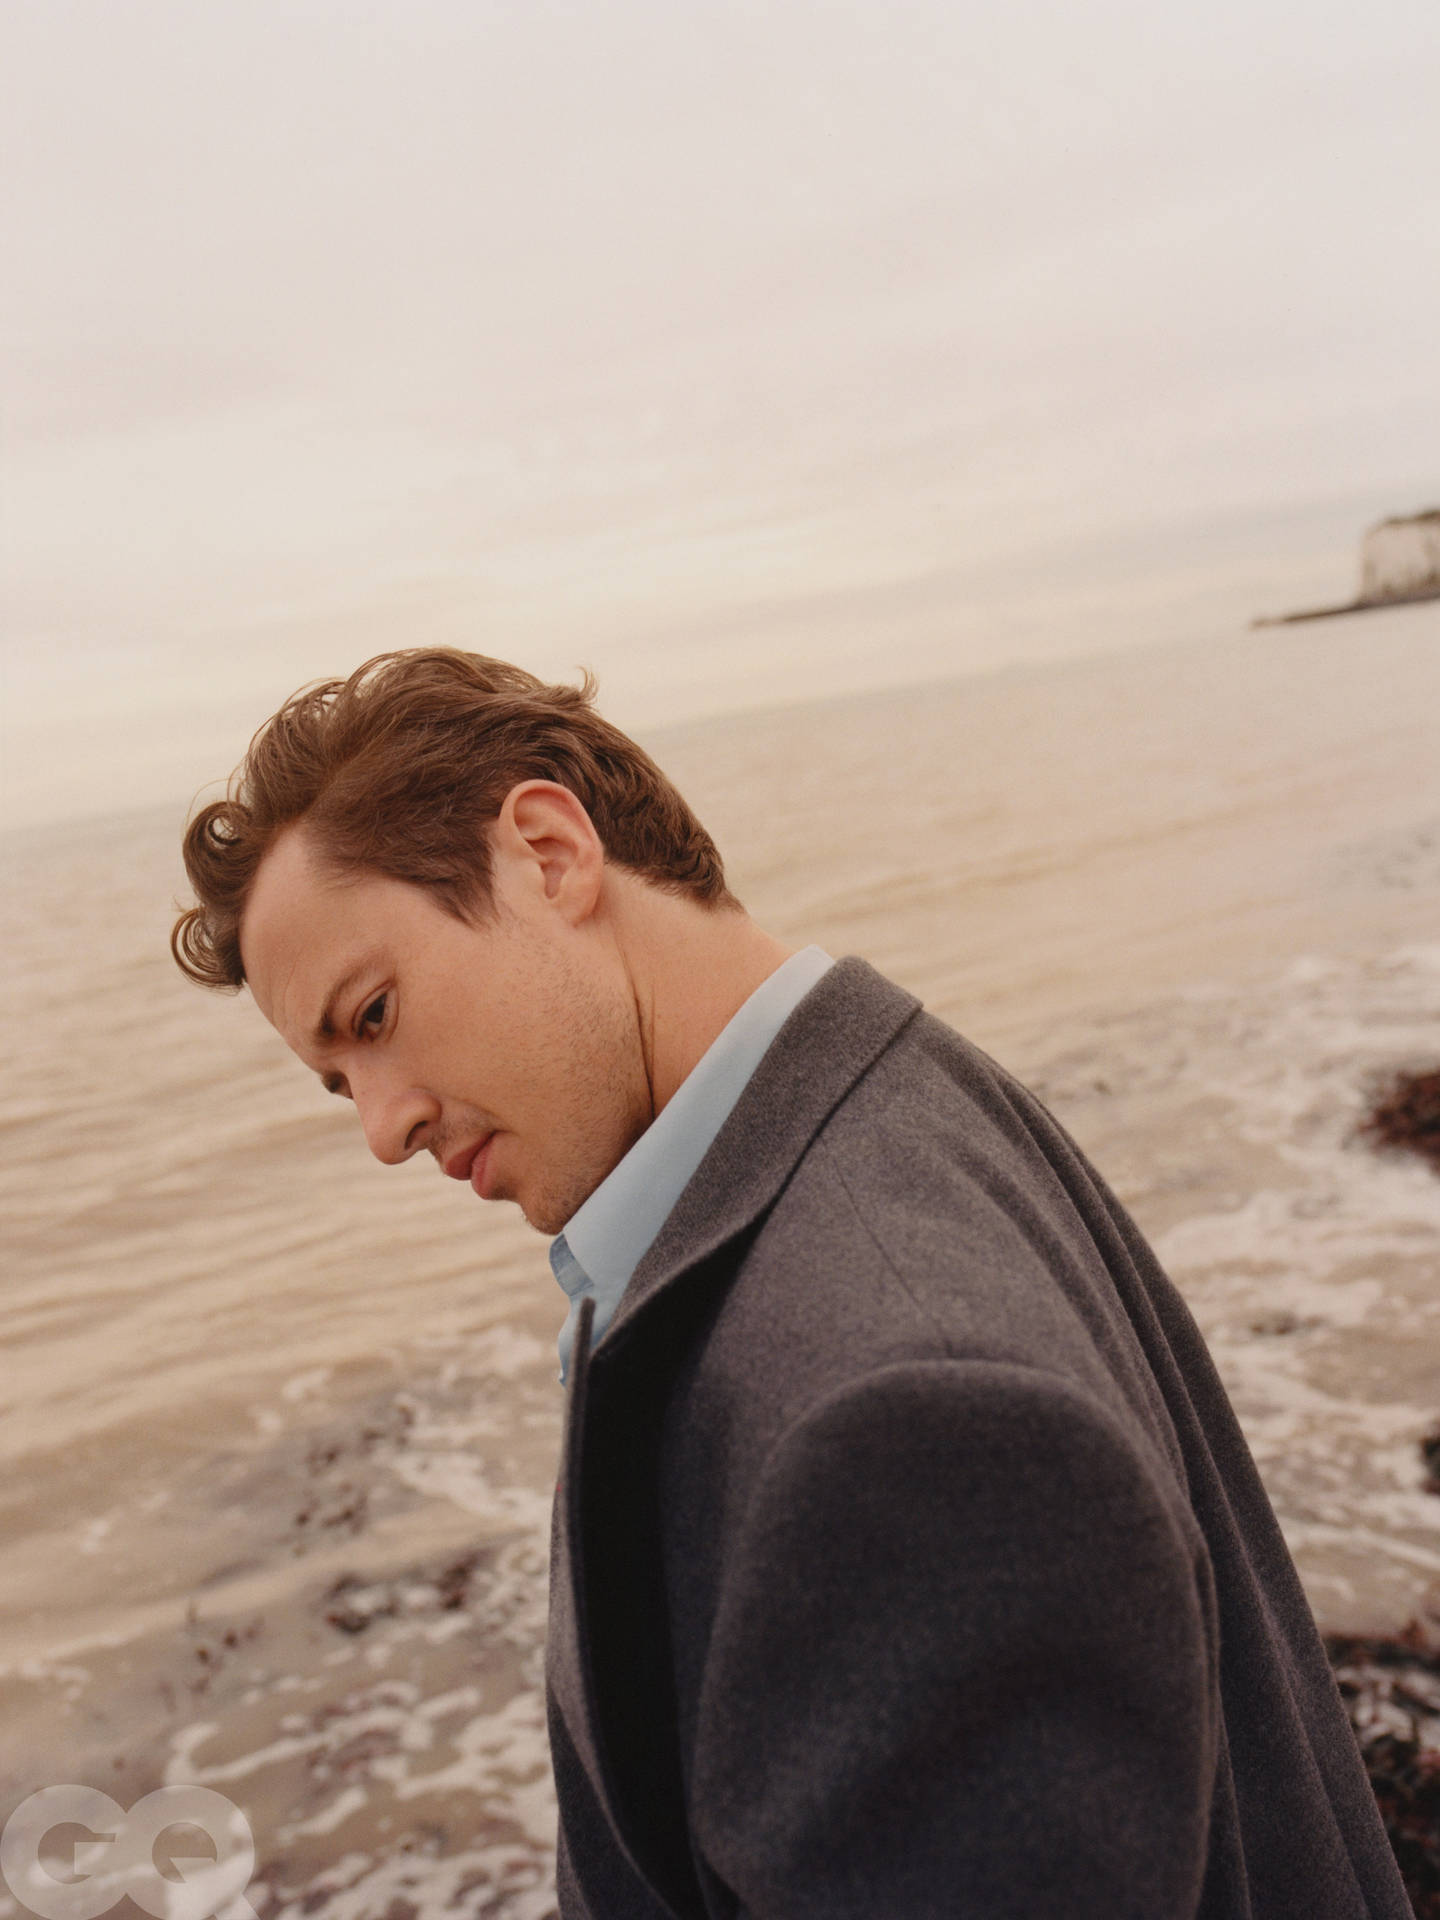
470 1163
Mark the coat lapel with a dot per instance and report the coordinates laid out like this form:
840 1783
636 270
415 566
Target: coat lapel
836 1033
608 1660
566 1652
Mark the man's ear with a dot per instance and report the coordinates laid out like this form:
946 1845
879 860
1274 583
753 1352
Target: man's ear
551 843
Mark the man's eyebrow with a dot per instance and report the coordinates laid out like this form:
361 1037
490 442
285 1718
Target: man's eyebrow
325 1025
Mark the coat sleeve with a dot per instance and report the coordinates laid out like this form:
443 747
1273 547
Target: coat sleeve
959 1664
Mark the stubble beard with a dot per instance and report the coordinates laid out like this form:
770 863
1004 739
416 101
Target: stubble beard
563 1194
607 1111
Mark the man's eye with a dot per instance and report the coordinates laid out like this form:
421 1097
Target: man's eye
373 1017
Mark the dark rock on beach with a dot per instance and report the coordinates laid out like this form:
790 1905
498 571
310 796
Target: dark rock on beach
1391 1689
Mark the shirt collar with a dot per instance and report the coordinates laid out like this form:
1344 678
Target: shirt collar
604 1242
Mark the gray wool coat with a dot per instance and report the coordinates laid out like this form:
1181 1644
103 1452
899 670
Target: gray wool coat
908 1559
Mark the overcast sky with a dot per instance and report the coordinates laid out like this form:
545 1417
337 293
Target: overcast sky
731 349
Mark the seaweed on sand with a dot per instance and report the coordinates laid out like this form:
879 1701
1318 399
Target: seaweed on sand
1405 1112
1386 1683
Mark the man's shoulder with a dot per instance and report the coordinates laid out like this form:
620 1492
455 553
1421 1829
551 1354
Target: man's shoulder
885 1192
931 1149
924 1080
927 1217
937 1216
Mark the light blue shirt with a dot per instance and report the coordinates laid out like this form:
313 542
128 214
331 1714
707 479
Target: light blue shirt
605 1241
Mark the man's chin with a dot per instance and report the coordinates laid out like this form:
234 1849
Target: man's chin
542 1211
542 1222
551 1212
547 1219
537 1209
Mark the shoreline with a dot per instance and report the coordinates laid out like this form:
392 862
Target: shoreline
1189 895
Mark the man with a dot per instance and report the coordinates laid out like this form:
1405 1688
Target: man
908 1559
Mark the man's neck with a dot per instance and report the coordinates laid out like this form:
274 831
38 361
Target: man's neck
692 968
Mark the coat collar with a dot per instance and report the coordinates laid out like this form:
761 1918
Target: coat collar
835 1034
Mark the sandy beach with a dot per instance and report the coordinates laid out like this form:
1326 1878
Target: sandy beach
280 1426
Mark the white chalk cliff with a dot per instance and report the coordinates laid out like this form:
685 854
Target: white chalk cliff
1400 558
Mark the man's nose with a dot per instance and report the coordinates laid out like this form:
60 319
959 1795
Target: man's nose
398 1121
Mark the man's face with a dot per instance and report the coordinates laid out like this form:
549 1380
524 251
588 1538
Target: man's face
509 1050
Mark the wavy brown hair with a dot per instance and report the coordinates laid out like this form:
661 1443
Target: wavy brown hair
401 769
